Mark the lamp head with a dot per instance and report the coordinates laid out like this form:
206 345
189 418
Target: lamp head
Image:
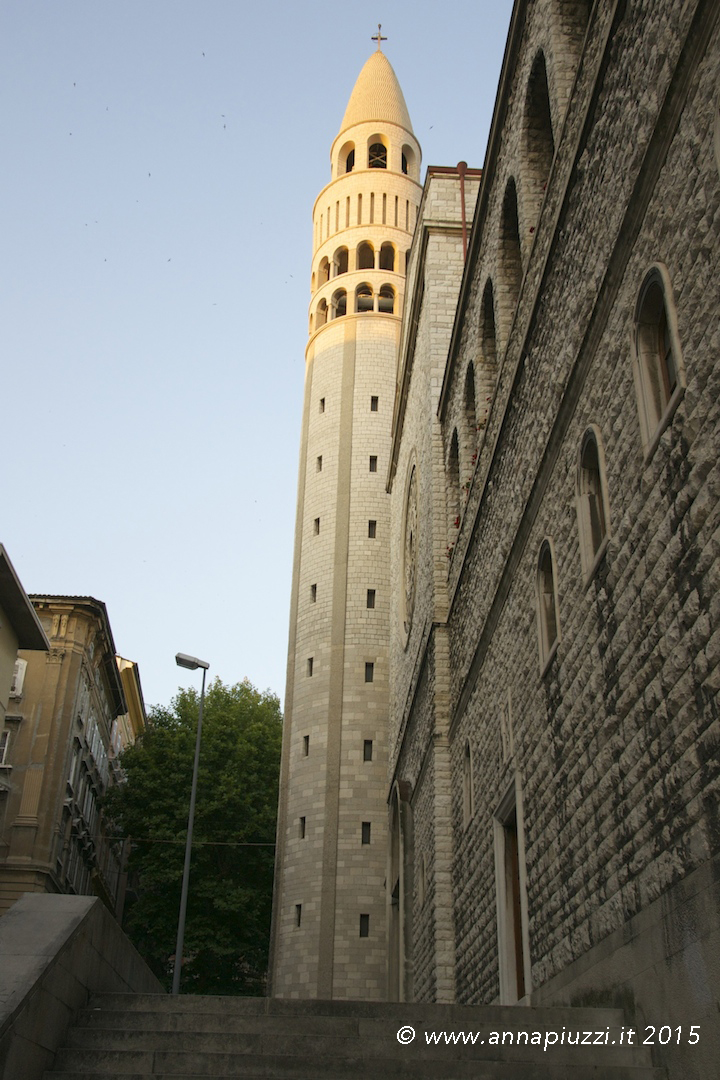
190 662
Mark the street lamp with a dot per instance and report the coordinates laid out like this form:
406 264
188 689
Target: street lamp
192 663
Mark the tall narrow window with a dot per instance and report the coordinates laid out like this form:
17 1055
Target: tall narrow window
365 833
367 750
510 259
318 463
302 828
453 487
322 405
371 598
369 672
306 745
539 143
298 914
467 785
316 526
470 412
373 463
548 632
591 492
350 161
509 861
364 926
372 529
487 326
657 359
374 403
313 594
310 664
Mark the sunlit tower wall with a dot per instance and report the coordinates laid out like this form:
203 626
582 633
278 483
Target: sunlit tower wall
329 918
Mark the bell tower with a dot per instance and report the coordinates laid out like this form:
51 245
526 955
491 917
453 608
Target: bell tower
330 904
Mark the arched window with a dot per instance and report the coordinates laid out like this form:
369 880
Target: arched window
470 413
539 142
453 490
657 359
365 256
408 161
386 300
548 627
387 256
510 258
377 156
467 785
323 272
339 304
363 298
321 314
346 158
592 502
487 329
340 261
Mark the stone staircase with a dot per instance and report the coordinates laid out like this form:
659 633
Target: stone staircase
134 1036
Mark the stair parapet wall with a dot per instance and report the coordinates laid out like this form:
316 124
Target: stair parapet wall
54 952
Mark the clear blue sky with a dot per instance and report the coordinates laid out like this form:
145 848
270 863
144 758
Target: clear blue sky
161 159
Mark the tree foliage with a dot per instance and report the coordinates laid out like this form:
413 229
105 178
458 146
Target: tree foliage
228 914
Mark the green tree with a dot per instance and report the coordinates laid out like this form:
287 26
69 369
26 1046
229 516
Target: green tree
229 904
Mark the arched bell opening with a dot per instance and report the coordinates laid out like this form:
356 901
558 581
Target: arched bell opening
386 300
363 298
387 256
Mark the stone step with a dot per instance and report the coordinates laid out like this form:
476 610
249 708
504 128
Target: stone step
375 1039
129 1037
134 1065
365 1027
414 1013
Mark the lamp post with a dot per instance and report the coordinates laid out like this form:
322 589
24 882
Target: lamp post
192 663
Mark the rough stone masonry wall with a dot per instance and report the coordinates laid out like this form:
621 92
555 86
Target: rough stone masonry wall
617 745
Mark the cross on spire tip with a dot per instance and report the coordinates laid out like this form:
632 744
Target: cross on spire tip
378 37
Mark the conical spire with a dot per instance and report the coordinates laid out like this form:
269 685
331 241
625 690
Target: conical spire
377 96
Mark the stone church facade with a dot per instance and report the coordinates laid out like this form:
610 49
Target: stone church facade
553 751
